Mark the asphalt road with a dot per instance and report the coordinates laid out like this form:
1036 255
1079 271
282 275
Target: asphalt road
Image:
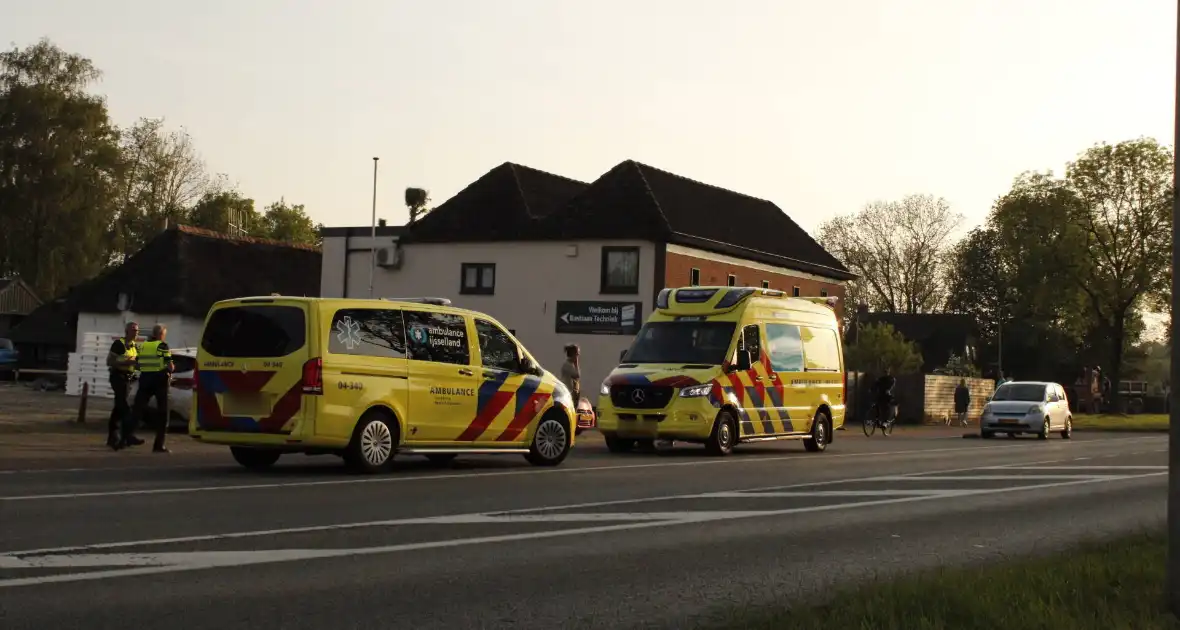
645 540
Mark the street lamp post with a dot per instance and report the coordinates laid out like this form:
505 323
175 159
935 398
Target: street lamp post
373 233
1173 573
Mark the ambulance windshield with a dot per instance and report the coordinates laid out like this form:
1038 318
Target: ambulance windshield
681 342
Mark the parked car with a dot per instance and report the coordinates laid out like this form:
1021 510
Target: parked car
1027 407
180 397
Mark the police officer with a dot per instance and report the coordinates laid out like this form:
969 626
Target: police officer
155 372
121 361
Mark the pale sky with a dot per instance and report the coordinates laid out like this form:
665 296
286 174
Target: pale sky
819 106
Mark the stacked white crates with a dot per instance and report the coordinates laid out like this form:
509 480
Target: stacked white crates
89 365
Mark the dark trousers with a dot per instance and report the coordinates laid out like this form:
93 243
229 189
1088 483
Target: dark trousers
154 385
121 414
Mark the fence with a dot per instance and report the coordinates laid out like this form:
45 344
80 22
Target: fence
922 398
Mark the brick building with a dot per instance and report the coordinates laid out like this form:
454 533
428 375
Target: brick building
534 249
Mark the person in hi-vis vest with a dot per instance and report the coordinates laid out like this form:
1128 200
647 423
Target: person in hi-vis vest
121 361
155 373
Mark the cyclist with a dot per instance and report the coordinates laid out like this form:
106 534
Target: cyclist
885 402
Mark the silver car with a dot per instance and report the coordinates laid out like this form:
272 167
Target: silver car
1027 407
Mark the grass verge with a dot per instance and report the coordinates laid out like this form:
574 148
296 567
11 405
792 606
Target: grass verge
1112 422
1117 584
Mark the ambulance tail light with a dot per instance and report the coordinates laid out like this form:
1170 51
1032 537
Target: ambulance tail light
313 376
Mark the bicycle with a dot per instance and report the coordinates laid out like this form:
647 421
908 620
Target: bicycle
873 422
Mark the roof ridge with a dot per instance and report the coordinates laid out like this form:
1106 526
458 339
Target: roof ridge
706 184
207 233
537 170
524 200
651 193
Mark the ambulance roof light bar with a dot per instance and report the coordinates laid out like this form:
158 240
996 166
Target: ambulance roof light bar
434 301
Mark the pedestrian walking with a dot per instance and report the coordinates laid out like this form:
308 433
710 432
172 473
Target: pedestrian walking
962 402
155 374
121 362
571 372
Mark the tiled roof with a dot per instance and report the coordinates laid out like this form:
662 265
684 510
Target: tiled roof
505 203
630 201
182 271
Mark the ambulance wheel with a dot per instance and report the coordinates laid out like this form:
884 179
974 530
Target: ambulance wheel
617 444
821 428
724 435
374 442
255 458
551 442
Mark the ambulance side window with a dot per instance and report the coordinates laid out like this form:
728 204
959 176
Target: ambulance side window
496 348
785 348
751 342
369 332
437 337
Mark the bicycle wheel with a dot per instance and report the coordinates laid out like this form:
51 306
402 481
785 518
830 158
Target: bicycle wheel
887 428
869 425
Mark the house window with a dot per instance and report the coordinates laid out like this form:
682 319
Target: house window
620 270
823 293
694 277
732 280
795 291
766 284
477 279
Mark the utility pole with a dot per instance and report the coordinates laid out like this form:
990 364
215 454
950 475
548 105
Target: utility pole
372 234
1173 574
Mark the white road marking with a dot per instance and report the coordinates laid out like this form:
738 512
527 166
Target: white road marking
747 494
1083 467
186 561
793 458
992 477
414 521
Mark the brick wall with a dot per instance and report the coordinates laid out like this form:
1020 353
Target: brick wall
678 268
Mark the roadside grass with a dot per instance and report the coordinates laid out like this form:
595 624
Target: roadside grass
1114 422
1102 586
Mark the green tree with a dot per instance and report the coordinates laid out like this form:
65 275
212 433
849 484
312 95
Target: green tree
879 346
417 200
898 249
164 179
59 168
1124 198
290 224
227 212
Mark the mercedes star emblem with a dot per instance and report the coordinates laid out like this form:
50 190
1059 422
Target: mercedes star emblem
637 396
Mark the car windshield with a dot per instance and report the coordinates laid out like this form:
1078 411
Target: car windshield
1020 391
681 342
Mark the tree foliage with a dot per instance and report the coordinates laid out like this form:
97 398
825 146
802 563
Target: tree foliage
290 224
899 251
59 168
77 194
165 177
879 346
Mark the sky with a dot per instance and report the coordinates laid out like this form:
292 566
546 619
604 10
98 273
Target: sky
819 107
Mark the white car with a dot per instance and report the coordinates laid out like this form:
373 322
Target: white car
180 395
1027 407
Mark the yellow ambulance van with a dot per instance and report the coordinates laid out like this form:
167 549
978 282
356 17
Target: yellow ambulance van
726 365
368 379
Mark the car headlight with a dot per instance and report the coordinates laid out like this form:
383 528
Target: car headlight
1036 409
605 389
696 391
562 396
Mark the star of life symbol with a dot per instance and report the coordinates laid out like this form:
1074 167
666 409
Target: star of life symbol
348 332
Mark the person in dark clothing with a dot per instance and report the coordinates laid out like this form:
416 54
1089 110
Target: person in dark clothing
884 395
962 402
121 361
155 375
